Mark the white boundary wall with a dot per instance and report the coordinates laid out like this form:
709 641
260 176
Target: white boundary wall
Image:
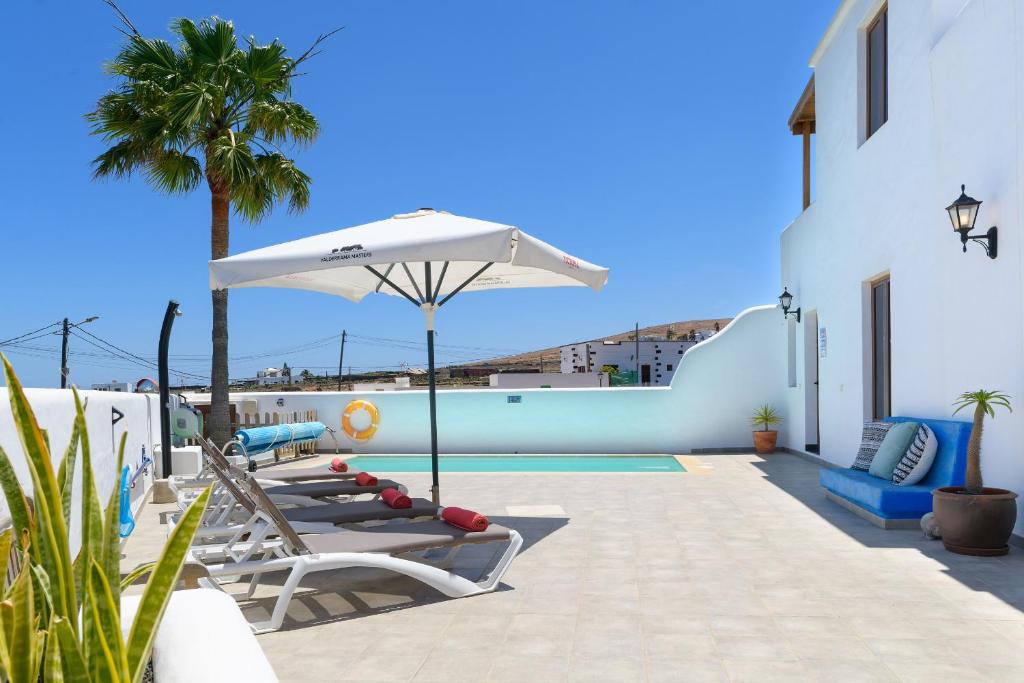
719 384
55 410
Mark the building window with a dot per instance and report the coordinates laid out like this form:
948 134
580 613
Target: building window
877 71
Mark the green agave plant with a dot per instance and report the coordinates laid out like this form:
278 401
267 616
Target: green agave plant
60 617
765 417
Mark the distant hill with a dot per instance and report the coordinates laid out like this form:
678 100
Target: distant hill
551 356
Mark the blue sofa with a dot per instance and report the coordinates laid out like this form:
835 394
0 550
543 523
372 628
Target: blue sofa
887 504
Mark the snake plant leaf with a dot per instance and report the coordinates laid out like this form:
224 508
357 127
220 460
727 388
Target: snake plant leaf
5 653
136 574
66 473
21 515
75 668
158 589
42 585
6 541
53 666
108 622
21 626
109 552
53 533
92 525
101 661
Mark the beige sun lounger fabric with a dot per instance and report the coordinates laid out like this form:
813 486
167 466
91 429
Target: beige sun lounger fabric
401 538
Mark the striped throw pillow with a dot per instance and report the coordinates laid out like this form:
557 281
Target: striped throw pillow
870 440
918 459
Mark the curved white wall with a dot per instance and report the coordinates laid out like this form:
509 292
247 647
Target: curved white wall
717 386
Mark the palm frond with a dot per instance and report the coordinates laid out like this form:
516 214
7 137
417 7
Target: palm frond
985 398
174 173
279 121
211 42
121 160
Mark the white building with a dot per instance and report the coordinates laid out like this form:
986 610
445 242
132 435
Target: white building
399 384
907 103
659 358
114 385
274 375
548 380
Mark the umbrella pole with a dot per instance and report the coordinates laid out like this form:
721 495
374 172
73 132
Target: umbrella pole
435 489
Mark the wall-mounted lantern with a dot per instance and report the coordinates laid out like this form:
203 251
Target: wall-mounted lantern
786 300
963 212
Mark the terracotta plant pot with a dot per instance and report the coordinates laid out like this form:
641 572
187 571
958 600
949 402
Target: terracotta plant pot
764 440
975 524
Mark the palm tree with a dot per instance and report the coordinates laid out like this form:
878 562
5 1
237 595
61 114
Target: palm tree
984 402
208 109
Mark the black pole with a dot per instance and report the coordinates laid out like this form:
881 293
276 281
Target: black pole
435 490
165 388
341 358
64 355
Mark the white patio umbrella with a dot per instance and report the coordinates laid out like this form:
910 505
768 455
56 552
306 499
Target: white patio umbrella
426 257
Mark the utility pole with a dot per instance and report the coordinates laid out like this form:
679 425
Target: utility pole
341 357
66 326
64 354
636 340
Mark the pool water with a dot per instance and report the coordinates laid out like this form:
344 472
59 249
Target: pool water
518 463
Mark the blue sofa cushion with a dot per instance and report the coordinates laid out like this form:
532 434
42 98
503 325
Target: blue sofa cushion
891 501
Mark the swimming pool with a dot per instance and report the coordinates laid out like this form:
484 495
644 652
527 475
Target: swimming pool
518 463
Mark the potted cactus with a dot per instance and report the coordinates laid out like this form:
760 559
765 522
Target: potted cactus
765 417
975 519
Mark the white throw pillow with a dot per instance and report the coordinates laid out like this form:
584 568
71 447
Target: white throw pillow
918 459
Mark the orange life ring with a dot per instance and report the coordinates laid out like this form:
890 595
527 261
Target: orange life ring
360 435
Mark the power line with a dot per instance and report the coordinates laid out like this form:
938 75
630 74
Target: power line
12 339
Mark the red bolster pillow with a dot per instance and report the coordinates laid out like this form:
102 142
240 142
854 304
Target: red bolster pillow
338 465
465 519
366 479
396 499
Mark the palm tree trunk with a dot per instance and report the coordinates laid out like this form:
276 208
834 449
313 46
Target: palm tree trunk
220 418
972 481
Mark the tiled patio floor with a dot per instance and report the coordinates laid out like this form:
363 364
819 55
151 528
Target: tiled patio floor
737 571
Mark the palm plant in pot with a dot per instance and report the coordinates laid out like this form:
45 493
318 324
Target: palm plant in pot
975 519
765 417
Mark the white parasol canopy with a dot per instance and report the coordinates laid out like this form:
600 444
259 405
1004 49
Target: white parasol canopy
335 262
427 257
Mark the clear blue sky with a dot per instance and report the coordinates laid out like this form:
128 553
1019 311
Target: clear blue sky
647 137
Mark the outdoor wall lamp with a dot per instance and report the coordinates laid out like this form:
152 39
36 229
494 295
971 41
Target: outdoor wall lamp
786 299
963 212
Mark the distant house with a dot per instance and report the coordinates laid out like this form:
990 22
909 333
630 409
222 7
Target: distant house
658 358
268 376
113 385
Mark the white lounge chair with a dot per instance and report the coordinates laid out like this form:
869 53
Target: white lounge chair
377 547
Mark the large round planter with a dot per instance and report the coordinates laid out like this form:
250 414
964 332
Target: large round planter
975 524
764 440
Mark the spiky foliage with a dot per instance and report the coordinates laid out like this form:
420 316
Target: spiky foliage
210 107
765 417
985 403
60 618
206 108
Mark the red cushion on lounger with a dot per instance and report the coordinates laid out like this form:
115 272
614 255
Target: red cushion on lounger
366 479
396 499
338 465
465 519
